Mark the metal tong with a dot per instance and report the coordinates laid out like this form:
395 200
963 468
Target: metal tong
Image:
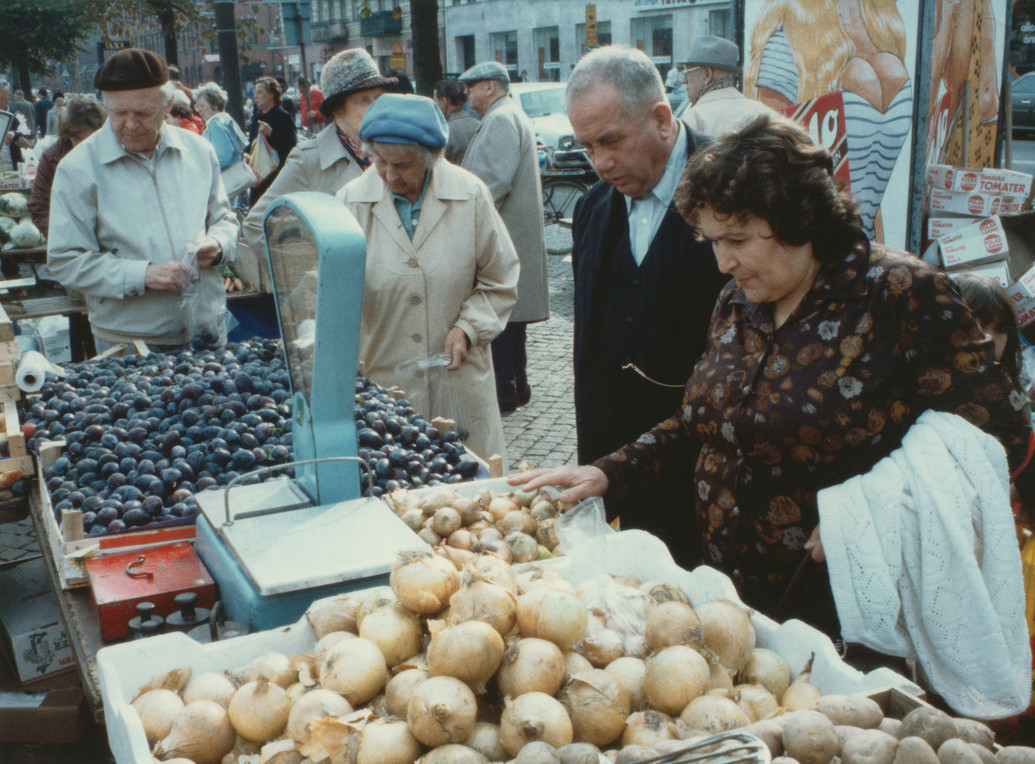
725 748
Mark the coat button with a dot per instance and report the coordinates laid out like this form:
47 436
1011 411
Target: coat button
415 299
628 319
417 338
412 262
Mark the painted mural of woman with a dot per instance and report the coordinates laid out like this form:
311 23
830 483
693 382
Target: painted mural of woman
803 49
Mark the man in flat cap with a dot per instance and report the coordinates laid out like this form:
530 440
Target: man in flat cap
717 104
139 217
503 153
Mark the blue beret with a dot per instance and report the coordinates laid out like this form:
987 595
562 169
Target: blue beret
402 118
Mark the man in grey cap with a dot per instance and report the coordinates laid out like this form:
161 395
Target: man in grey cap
138 216
503 154
715 103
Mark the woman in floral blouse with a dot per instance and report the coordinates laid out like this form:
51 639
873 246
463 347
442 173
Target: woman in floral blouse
823 349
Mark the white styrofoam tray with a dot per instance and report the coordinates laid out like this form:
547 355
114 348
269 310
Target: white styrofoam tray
125 667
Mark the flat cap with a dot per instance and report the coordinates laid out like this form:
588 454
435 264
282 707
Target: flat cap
131 69
486 70
407 119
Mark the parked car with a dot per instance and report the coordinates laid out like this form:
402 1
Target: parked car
1022 101
545 105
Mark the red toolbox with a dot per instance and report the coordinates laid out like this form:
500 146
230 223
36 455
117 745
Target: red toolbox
119 581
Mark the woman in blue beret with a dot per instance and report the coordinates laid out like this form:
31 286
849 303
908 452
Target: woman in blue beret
441 273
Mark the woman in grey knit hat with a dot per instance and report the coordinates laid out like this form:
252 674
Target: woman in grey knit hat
350 82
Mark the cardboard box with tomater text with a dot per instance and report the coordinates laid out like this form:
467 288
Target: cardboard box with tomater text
981 242
974 203
34 632
989 180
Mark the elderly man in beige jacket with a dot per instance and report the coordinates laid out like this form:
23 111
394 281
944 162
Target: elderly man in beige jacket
503 154
716 105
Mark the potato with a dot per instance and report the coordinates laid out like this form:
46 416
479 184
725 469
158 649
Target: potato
770 732
915 750
956 751
633 753
891 726
870 747
785 760
932 725
986 756
975 732
1016 754
845 731
809 737
852 710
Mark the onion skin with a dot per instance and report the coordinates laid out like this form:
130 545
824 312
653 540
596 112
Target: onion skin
480 600
648 728
158 710
532 717
424 582
573 664
202 732
315 704
387 741
442 710
674 677
672 623
470 651
597 705
400 689
727 632
600 646
768 669
209 686
355 668
395 630
275 667
553 615
755 701
629 673
531 665
259 711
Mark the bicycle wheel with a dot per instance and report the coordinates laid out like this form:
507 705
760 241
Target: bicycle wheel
559 198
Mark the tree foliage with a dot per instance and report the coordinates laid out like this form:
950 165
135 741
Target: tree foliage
121 19
38 32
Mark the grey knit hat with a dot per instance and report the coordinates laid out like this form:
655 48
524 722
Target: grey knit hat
348 72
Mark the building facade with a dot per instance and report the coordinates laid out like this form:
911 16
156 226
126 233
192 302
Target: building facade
547 37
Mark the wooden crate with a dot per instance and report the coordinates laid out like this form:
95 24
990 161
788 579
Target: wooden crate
895 703
12 435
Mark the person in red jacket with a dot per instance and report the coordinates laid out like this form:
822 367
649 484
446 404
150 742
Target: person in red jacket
81 117
309 100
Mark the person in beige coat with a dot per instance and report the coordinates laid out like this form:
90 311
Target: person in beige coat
503 154
441 272
350 82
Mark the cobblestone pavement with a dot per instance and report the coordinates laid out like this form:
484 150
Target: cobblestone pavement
18 541
543 432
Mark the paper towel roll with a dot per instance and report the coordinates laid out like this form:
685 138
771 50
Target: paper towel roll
33 370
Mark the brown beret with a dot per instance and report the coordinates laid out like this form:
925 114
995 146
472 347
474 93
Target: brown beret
131 69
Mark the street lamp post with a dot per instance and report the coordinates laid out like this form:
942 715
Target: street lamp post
226 34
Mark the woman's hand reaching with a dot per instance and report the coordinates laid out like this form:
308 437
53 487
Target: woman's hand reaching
581 483
456 347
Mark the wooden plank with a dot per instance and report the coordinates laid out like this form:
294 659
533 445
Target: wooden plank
71 524
141 347
11 393
6 327
23 463
7 372
49 451
9 351
15 437
115 351
37 307
495 466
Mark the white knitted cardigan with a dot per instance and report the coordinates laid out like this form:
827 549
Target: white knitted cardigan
924 563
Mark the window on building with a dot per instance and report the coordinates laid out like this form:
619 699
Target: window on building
547 44
653 35
719 23
503 47
603 35
465 51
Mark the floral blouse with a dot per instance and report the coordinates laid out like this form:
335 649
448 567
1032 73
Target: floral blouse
782 413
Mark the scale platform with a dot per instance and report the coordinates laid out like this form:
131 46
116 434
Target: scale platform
280 553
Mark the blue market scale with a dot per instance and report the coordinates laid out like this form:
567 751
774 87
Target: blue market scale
275 547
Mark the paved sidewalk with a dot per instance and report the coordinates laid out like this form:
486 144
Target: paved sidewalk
543 432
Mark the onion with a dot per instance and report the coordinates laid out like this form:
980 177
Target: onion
768 669
281 751
315 704
424 582
453 753
534 576
674 677
495 547
600 646
579 753
519 521
158 710
661 591
546 534
329 641
629 672
531 665
442 710
414 519
202 732
387 741
395 630
446 521
598 707
714 714
334 739
469 511
500 507
470 651
461 539
400 688
487 534
719 678
480 600
543 510
728 632
494 570
355 668
335 614
436 500
485 738
672 623
573 664
755 701
274 667
523 548
418 661
531 717
428 536
636 646
648 728
259 711
553 615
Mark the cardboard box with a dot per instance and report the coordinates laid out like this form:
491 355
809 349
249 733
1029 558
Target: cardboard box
1023 301
983 241
33 628
989 180
998 271
974 203
47 714
939 227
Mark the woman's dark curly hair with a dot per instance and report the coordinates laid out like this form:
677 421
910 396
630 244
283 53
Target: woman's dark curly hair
769 168
274 87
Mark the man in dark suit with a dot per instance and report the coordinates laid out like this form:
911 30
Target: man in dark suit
644 286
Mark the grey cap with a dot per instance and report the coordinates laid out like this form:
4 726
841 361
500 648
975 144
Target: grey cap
486 70
348 72
708 50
